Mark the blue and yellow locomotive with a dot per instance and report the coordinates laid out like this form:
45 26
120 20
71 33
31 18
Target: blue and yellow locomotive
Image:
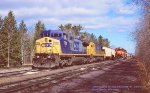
57 48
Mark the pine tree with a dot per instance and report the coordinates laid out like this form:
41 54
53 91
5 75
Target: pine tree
10 41
39 27
106 43
93 38
61 27
100 40
15 49
1 43
1 22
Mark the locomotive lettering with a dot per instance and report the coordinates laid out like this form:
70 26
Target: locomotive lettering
76 45
46 44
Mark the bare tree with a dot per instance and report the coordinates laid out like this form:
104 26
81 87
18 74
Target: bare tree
142 37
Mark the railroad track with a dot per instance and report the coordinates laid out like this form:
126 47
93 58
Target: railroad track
14 73
38 83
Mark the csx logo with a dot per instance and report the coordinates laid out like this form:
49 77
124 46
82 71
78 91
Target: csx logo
76 45
46 44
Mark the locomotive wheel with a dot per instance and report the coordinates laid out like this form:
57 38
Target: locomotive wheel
33 67
84 61
71 61
57 60
53 64
90 60
66 62
62 63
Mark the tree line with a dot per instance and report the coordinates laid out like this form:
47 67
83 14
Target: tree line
75 30
17 42
142 38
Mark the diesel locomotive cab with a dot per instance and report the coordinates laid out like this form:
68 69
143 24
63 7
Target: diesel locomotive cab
47 50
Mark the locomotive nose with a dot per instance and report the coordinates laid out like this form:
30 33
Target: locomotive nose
47 45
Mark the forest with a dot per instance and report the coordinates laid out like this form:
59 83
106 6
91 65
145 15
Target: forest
17 41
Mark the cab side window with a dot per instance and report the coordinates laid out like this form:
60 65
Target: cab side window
65 36
56 35
46 35
42 35
52 35
71 38
60 35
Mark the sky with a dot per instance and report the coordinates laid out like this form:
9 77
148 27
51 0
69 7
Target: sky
113 19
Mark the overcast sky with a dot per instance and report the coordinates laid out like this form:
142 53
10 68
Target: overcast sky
113 19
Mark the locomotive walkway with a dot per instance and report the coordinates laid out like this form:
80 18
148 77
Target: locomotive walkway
123 77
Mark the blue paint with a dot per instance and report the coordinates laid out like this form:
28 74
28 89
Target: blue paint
98 47
76 46
65 44
65 47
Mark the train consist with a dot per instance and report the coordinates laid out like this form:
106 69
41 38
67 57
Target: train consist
57 48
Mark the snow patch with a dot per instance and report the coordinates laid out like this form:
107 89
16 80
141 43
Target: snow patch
28 73
82 68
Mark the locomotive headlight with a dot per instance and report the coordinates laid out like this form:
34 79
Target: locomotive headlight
38 56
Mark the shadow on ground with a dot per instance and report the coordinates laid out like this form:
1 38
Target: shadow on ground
120 78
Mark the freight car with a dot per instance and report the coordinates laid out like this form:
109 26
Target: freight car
56 48
109 53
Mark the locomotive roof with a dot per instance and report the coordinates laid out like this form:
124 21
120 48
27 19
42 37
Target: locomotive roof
120 49
51 31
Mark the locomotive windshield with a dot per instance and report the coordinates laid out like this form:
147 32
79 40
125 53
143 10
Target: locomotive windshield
65 36
45 35
56 35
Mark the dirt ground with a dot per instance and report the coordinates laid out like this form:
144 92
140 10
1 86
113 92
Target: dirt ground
5 70
122 77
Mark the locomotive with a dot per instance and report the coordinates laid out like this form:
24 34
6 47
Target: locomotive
121 53
56 48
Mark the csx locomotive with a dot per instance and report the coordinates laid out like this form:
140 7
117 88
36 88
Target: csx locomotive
57 48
